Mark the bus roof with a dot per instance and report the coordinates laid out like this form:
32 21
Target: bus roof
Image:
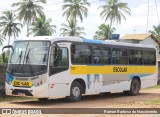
81 39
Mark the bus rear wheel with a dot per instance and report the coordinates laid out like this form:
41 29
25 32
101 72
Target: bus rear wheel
134 89
75 92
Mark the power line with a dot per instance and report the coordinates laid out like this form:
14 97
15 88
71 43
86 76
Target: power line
157 12
147 19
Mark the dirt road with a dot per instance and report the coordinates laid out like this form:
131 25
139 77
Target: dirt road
115 100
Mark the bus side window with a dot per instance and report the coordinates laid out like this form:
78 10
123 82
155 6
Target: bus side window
119 56
101 55
81 54
135 57
149 57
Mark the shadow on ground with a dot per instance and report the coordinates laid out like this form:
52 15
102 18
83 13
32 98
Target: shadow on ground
117 98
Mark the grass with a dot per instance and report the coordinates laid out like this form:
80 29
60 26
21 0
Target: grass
15 98
154 87
154 101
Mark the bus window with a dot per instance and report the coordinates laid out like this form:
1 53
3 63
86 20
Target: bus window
135 57
101 55
58 64
149 57
119 56
81 54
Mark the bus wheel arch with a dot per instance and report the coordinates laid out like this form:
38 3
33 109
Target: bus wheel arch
81 81
135 86
77 88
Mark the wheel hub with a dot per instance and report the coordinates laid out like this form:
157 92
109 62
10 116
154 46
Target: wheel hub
76 92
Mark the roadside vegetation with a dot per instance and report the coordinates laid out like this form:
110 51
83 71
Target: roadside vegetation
15 98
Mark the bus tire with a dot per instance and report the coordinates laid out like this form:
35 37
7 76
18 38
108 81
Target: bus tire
75 92
42 99
135 87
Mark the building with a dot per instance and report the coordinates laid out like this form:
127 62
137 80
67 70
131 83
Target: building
147 39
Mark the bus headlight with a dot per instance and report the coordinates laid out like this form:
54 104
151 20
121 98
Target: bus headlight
40 81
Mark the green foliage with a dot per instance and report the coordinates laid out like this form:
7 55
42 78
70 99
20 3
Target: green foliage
71 29
29 10
8 25
156 31
114 10
154 101
103 31
75 8
42 27
1 41
6 58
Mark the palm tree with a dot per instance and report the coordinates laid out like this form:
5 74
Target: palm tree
1 40
113 10
71 29
75 8
29 10
42 27
156 31
102 33
8 25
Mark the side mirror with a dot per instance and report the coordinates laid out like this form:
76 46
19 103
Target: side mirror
8 46
3 53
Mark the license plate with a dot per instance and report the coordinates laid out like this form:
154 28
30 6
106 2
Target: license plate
21 94
21 83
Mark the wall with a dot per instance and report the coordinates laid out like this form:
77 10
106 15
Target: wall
149 41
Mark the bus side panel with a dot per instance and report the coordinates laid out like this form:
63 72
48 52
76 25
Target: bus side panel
59 85
120 86
149 80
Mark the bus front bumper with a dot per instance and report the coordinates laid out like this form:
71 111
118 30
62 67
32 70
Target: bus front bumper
38 92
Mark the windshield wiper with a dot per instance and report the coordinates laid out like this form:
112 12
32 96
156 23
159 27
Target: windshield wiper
28 59
19 59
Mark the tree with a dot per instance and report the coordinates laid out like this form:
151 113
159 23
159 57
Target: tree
102 33
8 25
113 10
71 29
1 41
75 8
156 31
6 57
42 27
29 10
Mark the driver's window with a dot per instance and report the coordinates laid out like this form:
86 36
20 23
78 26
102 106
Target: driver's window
58 60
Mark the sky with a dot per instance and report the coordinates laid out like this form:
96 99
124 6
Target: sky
136 23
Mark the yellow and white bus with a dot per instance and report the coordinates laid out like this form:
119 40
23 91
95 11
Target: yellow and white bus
53 67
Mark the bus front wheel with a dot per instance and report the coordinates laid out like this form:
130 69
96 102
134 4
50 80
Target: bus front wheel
75 92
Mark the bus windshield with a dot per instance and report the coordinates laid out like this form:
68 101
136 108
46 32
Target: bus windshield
29 57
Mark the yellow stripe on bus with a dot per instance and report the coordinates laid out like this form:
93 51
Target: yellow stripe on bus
112 69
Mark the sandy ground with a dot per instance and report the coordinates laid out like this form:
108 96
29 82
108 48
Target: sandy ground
115 100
